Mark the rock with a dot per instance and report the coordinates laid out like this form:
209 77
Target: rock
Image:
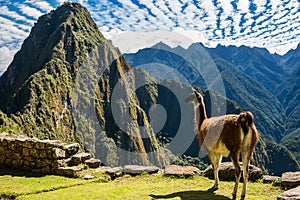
177 170
138 169
93 163
103 169
72 149
79 158
71 172
88 177
292 194
115 172
290 179
270 179
58 153
227 172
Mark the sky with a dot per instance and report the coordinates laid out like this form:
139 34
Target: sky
136 24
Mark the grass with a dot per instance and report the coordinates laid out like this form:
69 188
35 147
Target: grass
125 188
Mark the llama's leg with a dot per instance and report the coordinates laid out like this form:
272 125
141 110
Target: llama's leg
215 161
235 161
246 161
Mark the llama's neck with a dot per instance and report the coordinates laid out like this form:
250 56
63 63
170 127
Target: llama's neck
200 114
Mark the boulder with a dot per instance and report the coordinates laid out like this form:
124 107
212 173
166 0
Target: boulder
177 170
290 179
115 172
103 169
79 158
292 194
57 153
138 169
227 172
88 177
72 172
270 179
72 149
92 163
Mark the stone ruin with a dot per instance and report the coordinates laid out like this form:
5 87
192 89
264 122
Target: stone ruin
43 156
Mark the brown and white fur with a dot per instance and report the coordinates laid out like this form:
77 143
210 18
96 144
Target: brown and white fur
224 135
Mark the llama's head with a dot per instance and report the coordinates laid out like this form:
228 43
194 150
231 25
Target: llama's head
195 98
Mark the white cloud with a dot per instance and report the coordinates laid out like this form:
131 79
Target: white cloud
176 22
41 4
30 11
6 56
243 6
12 14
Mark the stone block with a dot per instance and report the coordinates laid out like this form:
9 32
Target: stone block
93 163
227 172
270 179
58 153
2 150
72 172
292 194
2 159
39 145
290 179
25 152
29 143
88 177
34 153
41 163
79 158
176 170
8 162
138 169
17 164
115 172
72 149
46 170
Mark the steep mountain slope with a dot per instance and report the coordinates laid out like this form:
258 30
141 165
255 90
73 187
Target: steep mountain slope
59 86
289 94
193 64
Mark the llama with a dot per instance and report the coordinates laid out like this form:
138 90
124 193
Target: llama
224 135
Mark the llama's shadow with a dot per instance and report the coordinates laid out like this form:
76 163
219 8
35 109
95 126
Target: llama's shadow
191 195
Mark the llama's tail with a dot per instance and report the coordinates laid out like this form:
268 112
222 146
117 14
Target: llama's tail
246 121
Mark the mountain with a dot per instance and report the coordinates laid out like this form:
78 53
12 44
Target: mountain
59 86
256 63
199 67
289 95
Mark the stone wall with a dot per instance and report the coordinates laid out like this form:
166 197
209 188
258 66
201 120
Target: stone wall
32 154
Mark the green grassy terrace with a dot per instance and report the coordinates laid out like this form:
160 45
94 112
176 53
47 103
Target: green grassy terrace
30 186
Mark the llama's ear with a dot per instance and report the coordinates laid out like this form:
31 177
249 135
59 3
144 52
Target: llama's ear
198 95
191 98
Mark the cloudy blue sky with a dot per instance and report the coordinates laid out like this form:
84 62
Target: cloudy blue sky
134 24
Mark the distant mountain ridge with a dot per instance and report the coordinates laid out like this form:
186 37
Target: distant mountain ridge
249 94
267 84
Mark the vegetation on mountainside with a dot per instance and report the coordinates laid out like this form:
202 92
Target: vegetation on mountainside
60 87
197 67
239 78
280 164
126 187
292 143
